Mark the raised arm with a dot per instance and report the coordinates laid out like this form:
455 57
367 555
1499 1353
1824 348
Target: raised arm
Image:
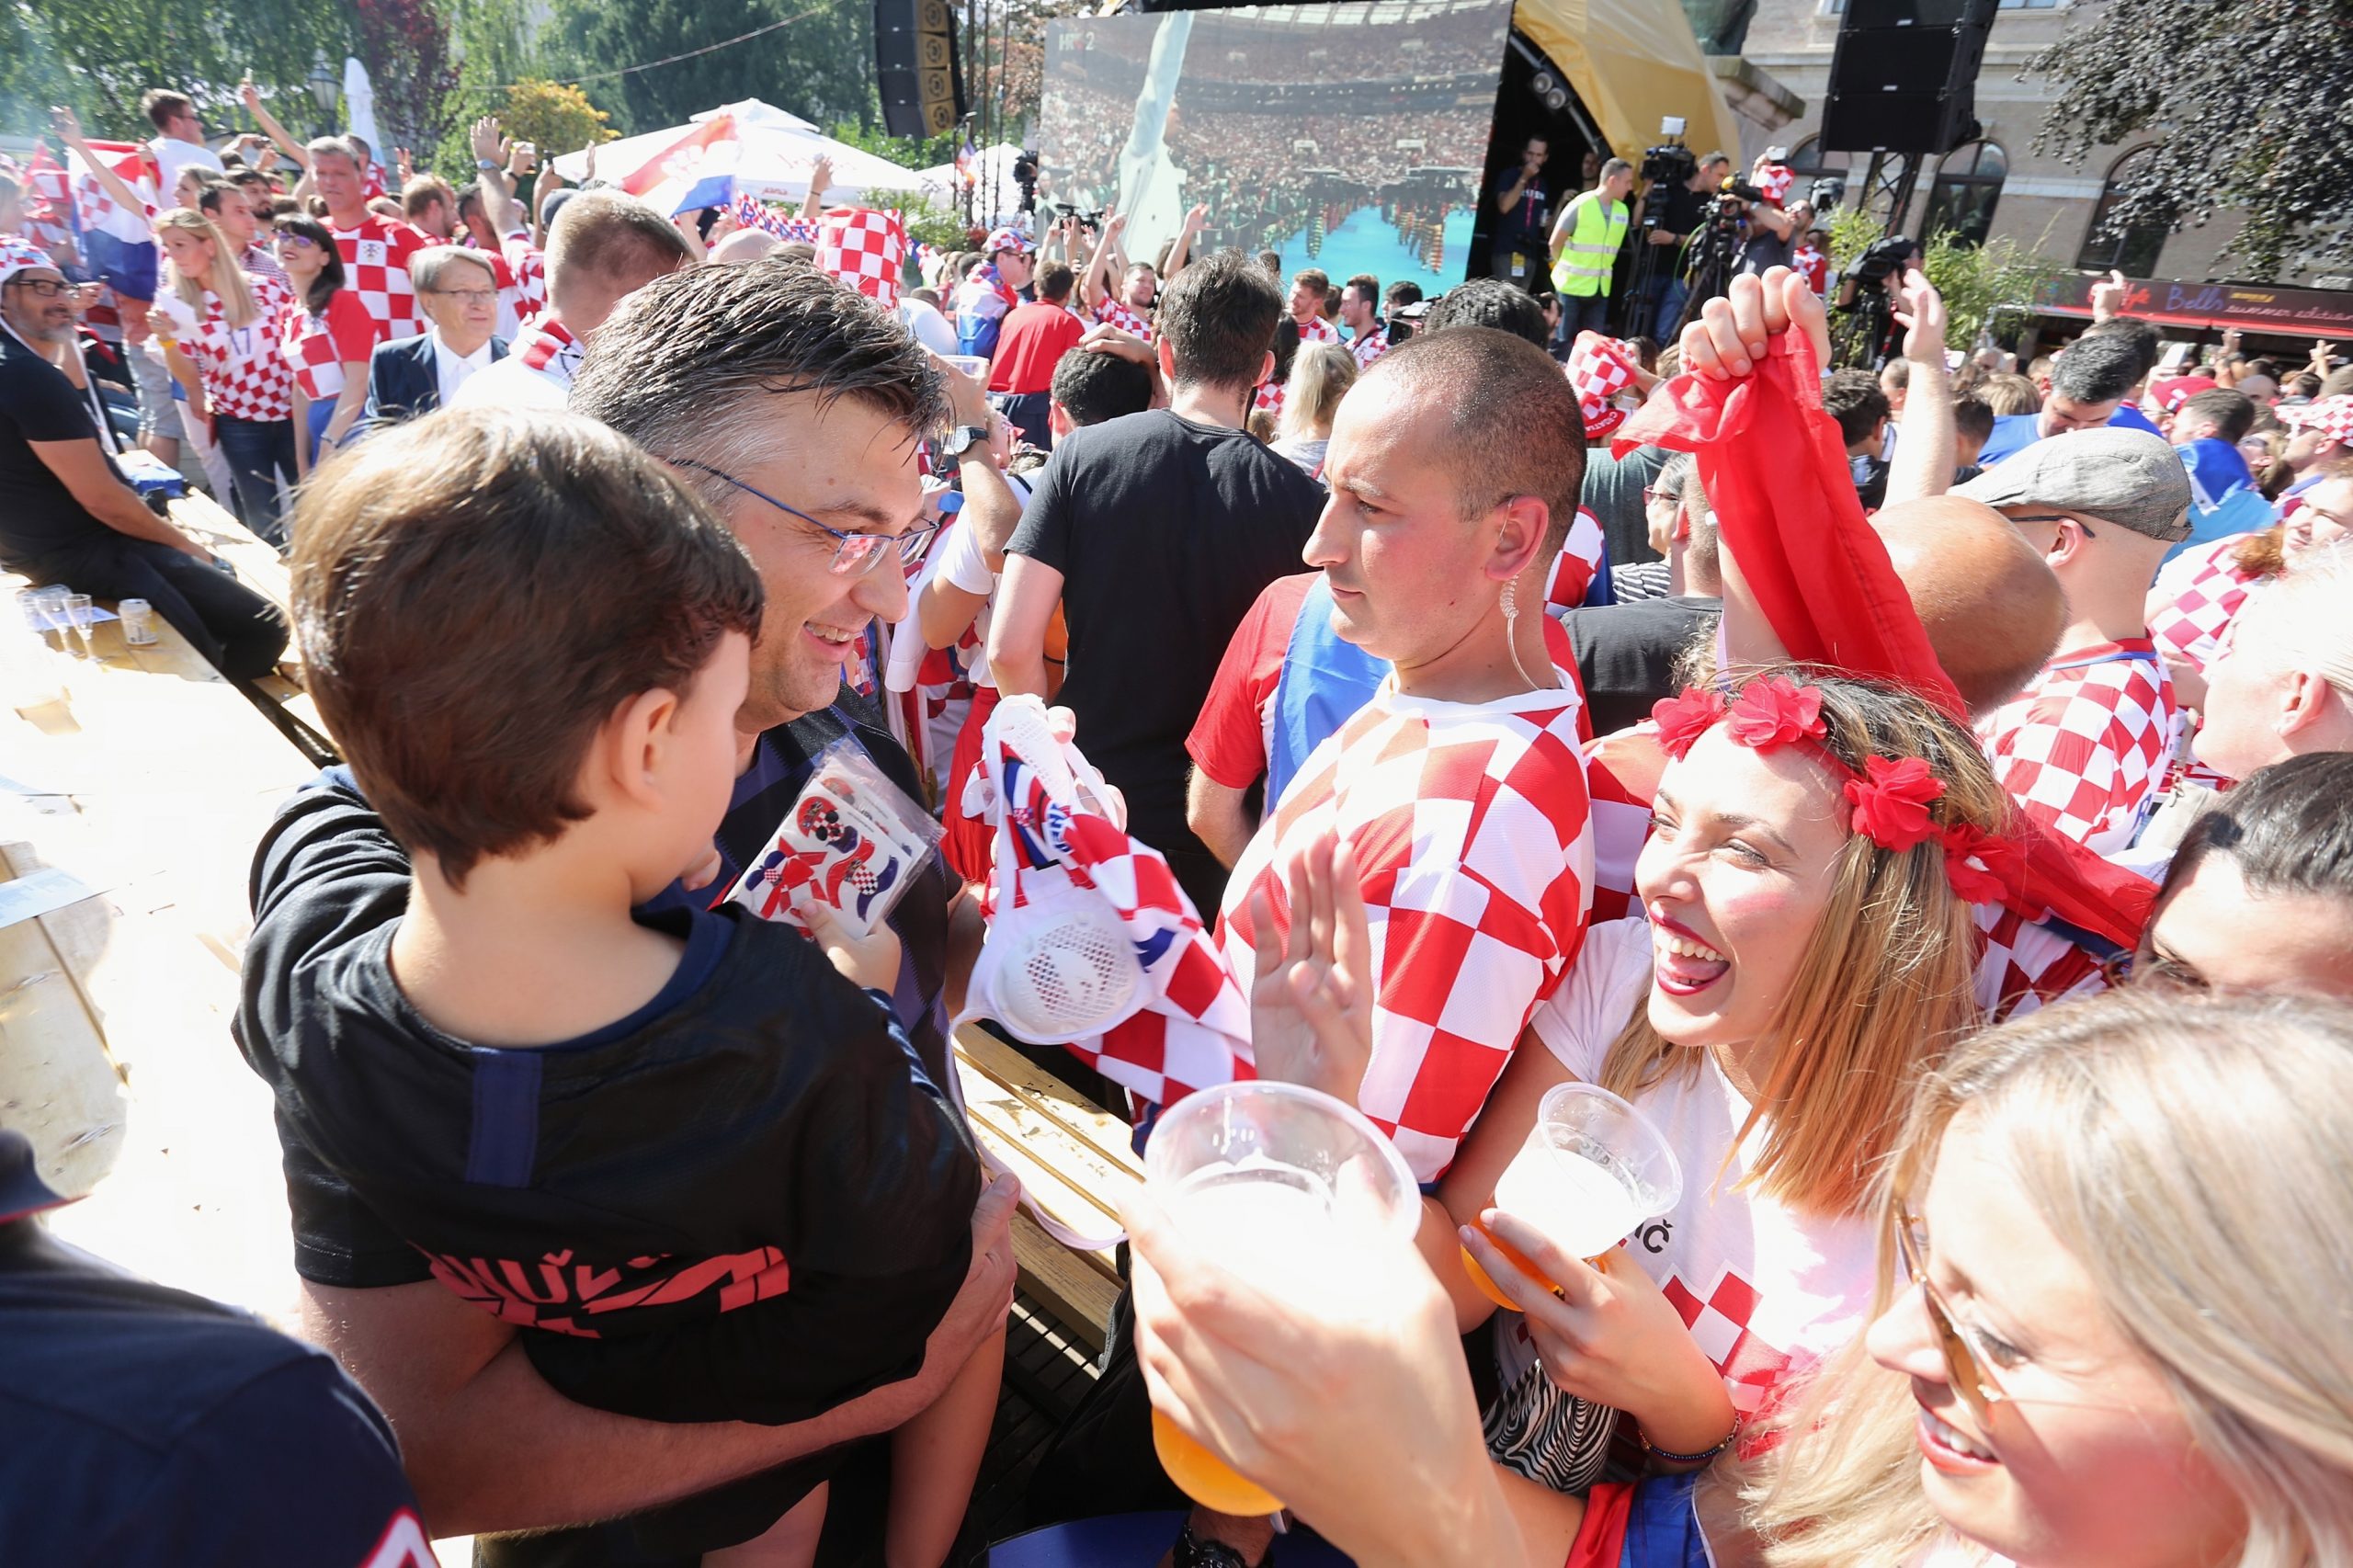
1181 250
820 179
269 123
497 196
1924 446
69 130
1095 285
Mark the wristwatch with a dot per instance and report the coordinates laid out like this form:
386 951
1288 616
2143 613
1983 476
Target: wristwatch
1192 1552
963 440
487 166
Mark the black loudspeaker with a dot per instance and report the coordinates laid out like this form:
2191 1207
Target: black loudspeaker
921 79
1904 77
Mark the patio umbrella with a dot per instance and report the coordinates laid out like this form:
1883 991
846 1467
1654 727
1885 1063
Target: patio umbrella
749 148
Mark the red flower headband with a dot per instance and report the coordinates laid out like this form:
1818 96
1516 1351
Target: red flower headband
1887 802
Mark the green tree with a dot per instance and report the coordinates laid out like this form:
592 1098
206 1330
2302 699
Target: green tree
405 47
99 55
817 60
2252 104
1979 283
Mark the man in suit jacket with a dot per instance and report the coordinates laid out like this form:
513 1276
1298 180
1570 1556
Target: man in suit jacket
411 376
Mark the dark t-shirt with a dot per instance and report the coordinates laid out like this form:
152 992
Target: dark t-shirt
1626 652
1612 492
744 1201
1761 250
38 514
147 1425
1163 531
1682 210
1522 228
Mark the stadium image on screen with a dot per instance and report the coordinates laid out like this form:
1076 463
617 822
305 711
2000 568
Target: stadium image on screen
1348 137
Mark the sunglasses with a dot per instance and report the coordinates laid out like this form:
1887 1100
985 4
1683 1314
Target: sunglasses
1964 1368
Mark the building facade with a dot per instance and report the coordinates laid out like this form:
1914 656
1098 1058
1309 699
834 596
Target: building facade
1997 185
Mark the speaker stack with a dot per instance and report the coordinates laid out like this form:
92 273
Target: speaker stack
1904 77
914 57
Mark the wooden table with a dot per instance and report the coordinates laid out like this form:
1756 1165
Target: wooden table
1074 1161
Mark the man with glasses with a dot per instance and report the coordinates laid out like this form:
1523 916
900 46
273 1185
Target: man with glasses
67 516
410 376
2084 747
796 409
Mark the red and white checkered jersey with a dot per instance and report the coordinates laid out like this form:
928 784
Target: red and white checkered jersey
318 348
1473 843
2194 600
1576 567
546 346
244 369
1766 1290
375 268
1369 346
1316 329
2024 964
1115 313
2084 748
528 266
1269 397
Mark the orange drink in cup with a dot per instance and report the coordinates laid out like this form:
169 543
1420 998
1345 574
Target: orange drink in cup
1593 1168
1280 1185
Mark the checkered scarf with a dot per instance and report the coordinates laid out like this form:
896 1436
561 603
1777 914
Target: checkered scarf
1599 369
751 212
866 249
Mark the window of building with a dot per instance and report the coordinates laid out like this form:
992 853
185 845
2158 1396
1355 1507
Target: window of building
2132 251
1967 189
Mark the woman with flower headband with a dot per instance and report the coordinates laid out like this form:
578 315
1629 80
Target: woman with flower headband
1804 948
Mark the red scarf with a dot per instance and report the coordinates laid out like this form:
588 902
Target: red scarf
1776 474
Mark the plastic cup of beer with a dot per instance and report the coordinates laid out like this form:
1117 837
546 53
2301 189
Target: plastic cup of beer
79 621
1592 1170
1282 1186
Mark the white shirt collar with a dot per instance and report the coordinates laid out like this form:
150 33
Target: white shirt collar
450 369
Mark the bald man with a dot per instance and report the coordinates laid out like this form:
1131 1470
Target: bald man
1992 605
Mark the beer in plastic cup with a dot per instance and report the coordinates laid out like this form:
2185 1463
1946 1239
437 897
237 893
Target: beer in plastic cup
1282 1186
972 365
1593 1168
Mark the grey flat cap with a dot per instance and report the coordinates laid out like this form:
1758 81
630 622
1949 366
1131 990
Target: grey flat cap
2129 477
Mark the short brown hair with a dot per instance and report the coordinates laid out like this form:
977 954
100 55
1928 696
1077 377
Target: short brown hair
477 592
161 106
1219 318
423 190
1314 278
609 234
1511 421
1054 282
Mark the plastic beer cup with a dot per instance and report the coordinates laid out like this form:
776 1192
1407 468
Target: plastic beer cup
1280 1185
1592 1170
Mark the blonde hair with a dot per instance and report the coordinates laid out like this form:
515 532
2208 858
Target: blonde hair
1320 376
228 280
2178 1145
2007 392
1886 984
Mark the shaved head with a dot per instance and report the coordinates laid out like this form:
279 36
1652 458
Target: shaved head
1993 608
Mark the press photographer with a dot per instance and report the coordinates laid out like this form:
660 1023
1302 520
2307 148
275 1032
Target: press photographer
1772 227
1679 195
1863 333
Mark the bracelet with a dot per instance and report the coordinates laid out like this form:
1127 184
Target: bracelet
1671 1456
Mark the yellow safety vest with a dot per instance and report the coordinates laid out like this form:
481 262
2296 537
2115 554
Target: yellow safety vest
1583 268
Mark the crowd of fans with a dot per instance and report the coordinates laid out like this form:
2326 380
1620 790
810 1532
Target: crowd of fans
1931 821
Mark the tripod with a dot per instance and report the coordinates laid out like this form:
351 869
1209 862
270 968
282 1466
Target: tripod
1860 337
1711 273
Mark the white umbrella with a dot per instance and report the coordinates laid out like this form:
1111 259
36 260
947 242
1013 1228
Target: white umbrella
766 151
991 179
359 108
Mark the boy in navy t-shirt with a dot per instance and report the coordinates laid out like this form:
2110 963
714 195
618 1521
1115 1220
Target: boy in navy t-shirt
706 1167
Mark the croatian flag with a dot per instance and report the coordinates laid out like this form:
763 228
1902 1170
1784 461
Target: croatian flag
697 170
117 245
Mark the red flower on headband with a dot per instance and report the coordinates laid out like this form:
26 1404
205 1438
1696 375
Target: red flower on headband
1891 801
1685 717
1777 711
1981 868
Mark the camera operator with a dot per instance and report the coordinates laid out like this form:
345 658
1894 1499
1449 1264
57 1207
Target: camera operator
1681 208
1519 251
1864 333
1772 227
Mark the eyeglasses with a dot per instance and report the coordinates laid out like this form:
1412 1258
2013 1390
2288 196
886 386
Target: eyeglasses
42 288
2157 968
853 553
468 296
301 242
1964 1368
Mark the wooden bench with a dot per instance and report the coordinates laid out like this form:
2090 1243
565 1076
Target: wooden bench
1076 1162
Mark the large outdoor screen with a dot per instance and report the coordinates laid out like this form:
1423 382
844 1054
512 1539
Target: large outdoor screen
1348 137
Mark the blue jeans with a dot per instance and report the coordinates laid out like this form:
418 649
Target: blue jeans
258 450
1584 312
1670 307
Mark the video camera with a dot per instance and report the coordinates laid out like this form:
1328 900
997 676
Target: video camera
1673 164
1091 220
1883 260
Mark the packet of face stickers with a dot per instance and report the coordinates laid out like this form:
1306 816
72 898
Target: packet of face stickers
852 840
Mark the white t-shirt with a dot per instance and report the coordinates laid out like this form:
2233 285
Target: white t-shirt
933 331
1766 1291
171 156
961 565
